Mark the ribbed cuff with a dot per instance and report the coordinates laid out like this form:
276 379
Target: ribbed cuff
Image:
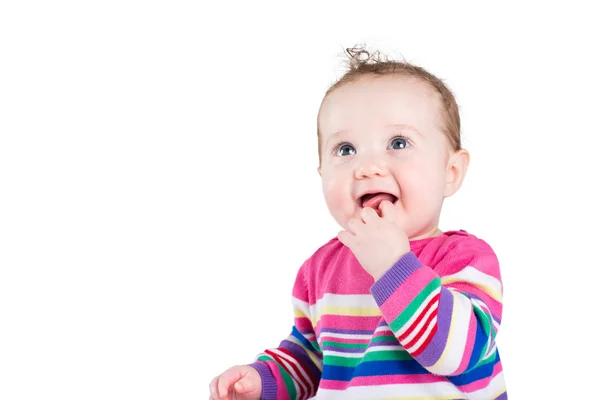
269 384
394 277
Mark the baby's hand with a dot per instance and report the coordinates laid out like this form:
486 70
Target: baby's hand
377 242
241 382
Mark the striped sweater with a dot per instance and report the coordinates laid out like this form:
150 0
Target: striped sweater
425 330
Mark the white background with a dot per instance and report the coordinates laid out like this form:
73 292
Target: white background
158 184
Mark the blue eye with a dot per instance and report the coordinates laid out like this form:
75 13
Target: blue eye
399 143
345 150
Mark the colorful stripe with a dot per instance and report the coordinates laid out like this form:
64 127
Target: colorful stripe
427 328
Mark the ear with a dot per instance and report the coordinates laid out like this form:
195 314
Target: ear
458 163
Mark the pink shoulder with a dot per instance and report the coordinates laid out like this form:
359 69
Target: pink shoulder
464 241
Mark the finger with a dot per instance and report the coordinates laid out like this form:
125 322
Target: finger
225 382
346 238
368 214
243 386
213 387
388 211
355 225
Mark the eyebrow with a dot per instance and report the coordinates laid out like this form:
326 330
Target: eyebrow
334 135
397 126
404 126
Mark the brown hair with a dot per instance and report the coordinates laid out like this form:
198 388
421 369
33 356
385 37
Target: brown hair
361 63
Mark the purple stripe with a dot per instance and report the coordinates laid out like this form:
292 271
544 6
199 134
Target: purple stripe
269 384
434 350
394 277
503 396
385 343
301 355
473 296
344 349
381 323
350 331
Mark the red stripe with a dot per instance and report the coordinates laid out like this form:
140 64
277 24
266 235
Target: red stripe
421 331
309 384
426 342
280 362
420 317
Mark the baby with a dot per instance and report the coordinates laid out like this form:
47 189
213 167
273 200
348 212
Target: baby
392 308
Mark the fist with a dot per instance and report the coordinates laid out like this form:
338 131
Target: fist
377 242
241 382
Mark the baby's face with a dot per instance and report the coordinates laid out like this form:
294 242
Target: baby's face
384 135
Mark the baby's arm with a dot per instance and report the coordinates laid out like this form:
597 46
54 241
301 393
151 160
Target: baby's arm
447 323
293 370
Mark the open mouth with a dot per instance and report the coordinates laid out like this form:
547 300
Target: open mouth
374 200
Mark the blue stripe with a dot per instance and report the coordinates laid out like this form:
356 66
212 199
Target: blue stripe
478 347
373 368
484 371
296 333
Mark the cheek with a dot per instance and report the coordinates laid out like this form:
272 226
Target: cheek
421 184
333 189
337 192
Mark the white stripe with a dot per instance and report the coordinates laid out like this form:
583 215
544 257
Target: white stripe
457 336
496 385
423 337
301 305
483 307
383 328
343 300
341 354
380 329
494 326
297 381
385 348
393 391
491 351
418 312
433 307
302 372
476 277
414 390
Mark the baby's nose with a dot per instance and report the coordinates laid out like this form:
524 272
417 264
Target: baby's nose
371 166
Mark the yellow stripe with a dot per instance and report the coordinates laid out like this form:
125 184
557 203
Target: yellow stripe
493 293
298 313
346 311
312 355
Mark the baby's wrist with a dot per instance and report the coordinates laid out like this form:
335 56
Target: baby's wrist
268 382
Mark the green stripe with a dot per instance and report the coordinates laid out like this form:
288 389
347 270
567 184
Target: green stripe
399 355
384 339
346 345
488 360
352 362
483 318
414 305
287 379
289 383
316 348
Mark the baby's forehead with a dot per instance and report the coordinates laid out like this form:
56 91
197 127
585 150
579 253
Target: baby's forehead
385 100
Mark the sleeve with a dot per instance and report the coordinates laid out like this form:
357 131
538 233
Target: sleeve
293 370
447 323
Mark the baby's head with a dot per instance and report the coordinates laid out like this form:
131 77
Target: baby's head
392 128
